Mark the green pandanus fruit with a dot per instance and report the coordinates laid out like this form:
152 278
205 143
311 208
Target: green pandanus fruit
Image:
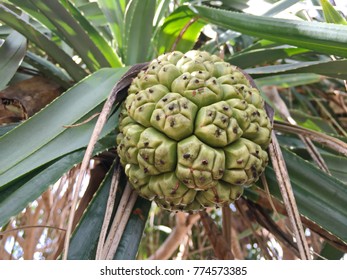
193 132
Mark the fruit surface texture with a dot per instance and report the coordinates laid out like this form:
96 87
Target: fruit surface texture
193 132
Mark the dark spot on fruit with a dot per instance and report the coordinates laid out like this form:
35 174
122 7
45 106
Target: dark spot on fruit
172 122
185 181
235 130
239 161
242 88
214 82
162 162
202 179
140 108
224 119
171 107
153 67
196 81
220 171
145 157
204 162
146 144
186 156
150 90
200 72
225 108
184 78
145 170
185 105
233 78
157 117
239 182
164 99
164 69
218 132
209 113
139 98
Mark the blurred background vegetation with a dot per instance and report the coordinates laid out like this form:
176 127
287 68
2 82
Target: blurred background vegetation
72 52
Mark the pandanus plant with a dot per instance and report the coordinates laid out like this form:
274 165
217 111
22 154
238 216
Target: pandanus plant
154 89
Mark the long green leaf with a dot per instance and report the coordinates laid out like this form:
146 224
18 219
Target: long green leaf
181 28
335 69
31 10
305 119
214 45
12 52
331 253
280 6
93 13
114 13
288 80
320 197
56 148
96 17
336 163
162 8
6 128
260 56
138 30
330 14
30 32
131 238
48 69
99 41
72 33
261 44
21 192
46 125
321 37
5 31
85 238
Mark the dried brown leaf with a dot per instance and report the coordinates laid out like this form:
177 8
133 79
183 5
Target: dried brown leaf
115 95
219 244
282 176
